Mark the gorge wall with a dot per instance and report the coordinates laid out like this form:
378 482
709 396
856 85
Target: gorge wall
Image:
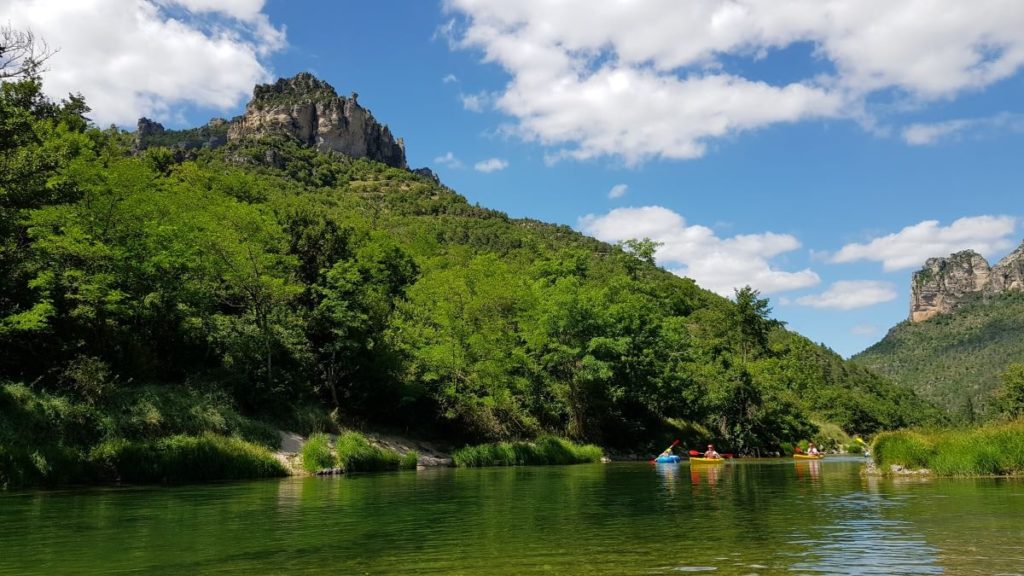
943 284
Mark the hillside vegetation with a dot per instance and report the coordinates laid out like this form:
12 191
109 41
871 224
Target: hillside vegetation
955 359
146 296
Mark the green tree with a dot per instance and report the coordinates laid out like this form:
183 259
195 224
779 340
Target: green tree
753 322
1011 395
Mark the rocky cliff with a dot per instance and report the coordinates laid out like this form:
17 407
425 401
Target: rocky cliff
150 133
310 111
944 284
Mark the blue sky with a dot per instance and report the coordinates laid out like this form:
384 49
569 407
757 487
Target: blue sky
819 151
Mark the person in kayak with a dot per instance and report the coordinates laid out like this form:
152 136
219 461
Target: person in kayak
811 450
711 452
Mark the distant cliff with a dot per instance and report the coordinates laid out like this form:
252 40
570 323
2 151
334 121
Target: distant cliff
975 315
945 284
302 108
310 111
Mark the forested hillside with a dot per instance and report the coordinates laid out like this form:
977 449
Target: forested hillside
152 292
955 359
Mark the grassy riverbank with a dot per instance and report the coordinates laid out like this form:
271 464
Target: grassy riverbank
144 434
352 452
545 450
996 449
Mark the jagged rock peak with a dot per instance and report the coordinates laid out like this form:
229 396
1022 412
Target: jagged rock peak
308 109
1008 274
944 284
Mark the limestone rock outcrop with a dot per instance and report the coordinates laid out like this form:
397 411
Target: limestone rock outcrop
944 284
310 111
150 133
1008 274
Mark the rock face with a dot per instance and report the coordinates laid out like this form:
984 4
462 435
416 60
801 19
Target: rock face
1008 274
943 284
310 111
150 133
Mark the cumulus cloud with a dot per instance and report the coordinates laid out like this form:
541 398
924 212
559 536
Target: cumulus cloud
449 160
718 264
618 191
490 165
850 295
911 246
657 79
448 79
925 134
133 58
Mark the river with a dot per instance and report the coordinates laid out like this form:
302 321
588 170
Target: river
745 517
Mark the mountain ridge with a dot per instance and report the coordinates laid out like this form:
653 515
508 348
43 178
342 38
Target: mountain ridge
964 329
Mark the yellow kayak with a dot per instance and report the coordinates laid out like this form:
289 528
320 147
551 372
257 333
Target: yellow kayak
807 457
696 460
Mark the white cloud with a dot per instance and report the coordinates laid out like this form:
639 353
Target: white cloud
925 134
864 330
718 264
911 246
654 79
450 160
475 102
131 58
490 165
851 294
449 79
618 191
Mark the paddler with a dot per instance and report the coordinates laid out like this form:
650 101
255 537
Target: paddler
711 452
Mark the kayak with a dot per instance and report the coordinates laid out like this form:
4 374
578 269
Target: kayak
807 457
696 460
671 459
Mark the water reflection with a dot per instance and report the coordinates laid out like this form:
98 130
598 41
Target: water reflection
808 469
669 475
856 539
746 517
709 474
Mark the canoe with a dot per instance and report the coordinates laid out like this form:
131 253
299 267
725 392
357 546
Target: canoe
672 459
807 457
696 460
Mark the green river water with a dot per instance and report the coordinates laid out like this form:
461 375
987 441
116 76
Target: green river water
746 517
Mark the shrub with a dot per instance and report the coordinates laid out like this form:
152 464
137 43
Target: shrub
316 453
356 454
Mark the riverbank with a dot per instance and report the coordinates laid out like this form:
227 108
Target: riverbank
992 450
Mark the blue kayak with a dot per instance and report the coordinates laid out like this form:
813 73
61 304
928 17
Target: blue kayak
673 459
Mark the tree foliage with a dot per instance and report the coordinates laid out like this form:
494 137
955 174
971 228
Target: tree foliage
286 278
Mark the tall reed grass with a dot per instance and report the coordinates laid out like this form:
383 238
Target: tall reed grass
177 459
996 449
316 453
356 454
543 451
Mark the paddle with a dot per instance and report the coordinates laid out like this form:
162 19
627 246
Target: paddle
701 454
667 450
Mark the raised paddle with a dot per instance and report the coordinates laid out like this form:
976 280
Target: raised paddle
669 449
